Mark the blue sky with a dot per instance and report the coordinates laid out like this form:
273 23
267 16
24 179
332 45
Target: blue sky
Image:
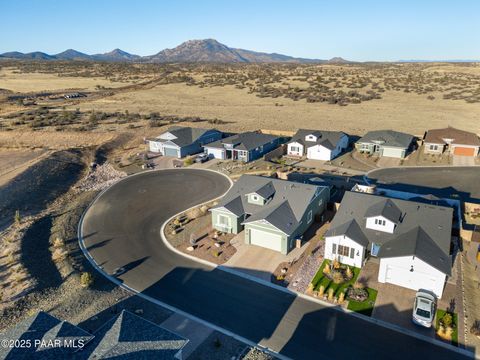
355 30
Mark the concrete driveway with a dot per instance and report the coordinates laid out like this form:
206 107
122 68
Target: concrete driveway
259 261
463 160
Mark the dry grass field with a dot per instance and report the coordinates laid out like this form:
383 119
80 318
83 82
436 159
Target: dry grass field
145 98
243 111
11 79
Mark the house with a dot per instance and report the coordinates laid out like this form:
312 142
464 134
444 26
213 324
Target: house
410 239
245 147
181 141
386 143
128 336
274 213
50 338
317 145
454 141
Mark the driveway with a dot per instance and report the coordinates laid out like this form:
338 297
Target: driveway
122 228
259 261
394 303
463 160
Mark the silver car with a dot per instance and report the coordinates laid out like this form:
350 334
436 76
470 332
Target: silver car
424 308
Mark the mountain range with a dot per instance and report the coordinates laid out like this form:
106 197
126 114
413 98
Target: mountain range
208 50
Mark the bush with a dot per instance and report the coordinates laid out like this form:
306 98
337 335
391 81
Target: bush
188 162
447 320
86 279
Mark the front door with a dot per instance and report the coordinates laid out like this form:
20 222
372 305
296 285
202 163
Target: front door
374 250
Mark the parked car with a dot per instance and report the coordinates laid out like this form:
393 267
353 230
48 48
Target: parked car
201 158
424 308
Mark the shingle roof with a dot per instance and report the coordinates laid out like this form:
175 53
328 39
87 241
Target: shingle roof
388 138
286 206
385 208
420 225
128 336
417 242
328 139
44 327
244 141
184 135
460 137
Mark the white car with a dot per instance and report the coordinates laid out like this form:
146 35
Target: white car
424 309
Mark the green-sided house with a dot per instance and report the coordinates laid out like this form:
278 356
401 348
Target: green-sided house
273 213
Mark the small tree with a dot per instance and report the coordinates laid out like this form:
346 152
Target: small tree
86 279
330 294
17 217
321 290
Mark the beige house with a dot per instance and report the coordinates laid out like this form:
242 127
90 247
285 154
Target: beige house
451 140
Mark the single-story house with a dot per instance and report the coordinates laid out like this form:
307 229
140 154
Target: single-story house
386 143
245 147
274 213
317 144
455 141
411 239
181 141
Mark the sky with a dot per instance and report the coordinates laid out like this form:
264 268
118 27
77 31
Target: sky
361 30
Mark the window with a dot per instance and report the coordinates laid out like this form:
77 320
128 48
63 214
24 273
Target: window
343 250
352 253
254 197
295 149
223 221
380 222
433 147
309 217
334 248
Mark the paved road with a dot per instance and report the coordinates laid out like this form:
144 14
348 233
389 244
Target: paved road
440 181
122 229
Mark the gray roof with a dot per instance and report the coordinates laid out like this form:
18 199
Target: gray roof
244 141
388 138
128 336
422 230
328 139
387 209
45 328
286 205
185 135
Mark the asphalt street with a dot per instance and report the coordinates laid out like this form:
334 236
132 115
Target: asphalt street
446 182
121 229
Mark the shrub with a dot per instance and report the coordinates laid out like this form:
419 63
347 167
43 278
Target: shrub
447 320
337 277
188 162
59 255
475 329
86 279
321 290
58 242
17 217
330 294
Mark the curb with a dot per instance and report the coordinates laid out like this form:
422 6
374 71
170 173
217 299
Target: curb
155 301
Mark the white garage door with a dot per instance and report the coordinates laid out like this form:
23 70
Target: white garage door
266 239
216 153
411 280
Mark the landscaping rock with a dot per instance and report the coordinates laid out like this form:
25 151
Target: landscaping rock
190 248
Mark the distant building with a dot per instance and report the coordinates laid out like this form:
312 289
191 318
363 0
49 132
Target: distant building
451 140
244 147
387 143
183 141
317 144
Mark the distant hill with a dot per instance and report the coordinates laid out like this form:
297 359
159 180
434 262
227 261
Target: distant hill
211 50
116 55
71 54
208 50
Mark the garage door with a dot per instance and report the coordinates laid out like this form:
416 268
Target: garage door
266 239
464 151
170 152
411 280
216 153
